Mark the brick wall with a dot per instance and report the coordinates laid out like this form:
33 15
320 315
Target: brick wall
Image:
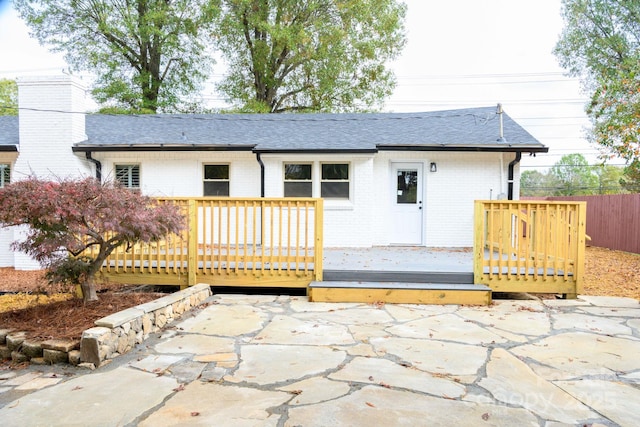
448 195
365 219
180 174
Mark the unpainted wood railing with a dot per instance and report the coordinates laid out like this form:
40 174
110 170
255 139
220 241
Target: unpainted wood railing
530 246
230 242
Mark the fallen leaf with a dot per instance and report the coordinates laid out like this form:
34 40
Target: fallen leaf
485 416
370 404
378 304
179 388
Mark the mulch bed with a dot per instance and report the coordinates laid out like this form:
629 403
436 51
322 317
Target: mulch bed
611 273
68 319
63 319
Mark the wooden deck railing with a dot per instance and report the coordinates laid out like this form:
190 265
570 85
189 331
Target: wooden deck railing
529 246
230 242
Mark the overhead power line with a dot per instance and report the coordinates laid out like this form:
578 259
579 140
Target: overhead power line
272 117
481 76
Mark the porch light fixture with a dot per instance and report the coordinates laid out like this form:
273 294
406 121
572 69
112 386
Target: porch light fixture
433 167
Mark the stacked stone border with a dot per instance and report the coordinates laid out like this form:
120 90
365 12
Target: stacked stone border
112 336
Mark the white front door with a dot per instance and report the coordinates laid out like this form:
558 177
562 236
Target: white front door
407 207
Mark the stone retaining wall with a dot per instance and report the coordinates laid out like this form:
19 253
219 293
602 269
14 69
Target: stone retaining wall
113 335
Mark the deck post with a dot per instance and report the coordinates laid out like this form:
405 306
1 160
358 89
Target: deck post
319 241
478 239
192 244
582 243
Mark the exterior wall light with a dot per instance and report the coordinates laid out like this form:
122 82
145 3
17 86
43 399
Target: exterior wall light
433 167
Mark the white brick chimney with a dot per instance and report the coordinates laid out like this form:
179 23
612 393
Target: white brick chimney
51 119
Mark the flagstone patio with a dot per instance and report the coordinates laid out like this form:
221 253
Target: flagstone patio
256 360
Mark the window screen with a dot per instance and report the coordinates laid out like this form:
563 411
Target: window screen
216 180
335 181
297 180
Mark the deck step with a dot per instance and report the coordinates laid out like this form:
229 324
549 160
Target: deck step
398 276
399 292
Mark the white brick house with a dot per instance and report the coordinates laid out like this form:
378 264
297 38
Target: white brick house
387 179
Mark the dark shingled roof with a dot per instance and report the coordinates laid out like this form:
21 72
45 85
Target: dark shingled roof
463 129
9 136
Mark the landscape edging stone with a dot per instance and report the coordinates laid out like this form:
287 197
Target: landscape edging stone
112 336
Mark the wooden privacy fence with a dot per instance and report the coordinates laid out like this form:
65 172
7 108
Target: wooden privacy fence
530 246
230 242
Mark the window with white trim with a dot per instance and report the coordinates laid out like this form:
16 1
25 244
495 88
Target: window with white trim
128 176
216 180
297 180
5 174
334 181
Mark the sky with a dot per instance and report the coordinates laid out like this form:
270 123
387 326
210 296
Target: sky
459 54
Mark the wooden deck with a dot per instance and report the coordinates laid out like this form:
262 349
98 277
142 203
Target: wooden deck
518 247
230 242
530 247
393 274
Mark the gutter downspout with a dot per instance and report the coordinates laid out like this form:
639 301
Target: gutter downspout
501 194
98 165
512 165
261 174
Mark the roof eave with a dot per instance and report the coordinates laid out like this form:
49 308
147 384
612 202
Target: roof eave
159 147
317 151
472 148
9 148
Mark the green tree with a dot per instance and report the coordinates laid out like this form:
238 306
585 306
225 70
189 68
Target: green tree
147 54
630 179
608 179
8 97
536 183
573 176
309 55
600 44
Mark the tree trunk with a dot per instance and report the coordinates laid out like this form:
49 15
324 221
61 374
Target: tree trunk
89 290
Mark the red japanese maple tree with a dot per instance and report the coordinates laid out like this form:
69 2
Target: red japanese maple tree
67 217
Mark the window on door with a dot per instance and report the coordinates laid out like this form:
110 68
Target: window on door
128 176
407 186
216 180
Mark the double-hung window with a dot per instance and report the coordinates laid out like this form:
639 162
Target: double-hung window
334 182
327 180
128 176
5 174
298 180
216 180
